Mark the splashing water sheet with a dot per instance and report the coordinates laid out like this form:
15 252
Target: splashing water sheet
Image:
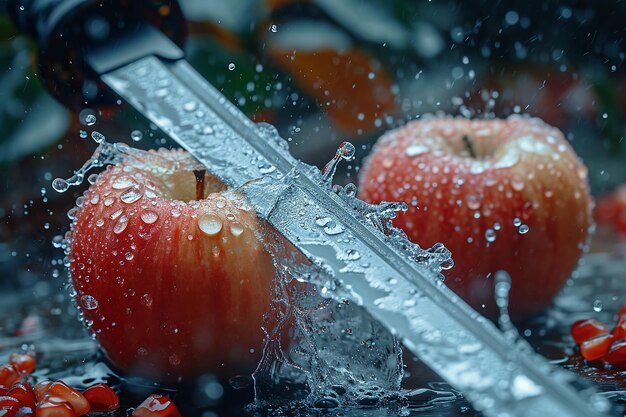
352 252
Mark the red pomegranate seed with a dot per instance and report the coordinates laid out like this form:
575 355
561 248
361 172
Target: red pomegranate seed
24 393
597 347
23 362
617 353
8 375
9 406
41 389
64 392
619 331
156 406
101 398
54 407
586 329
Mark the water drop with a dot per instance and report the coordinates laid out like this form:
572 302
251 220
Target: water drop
97 136
210 224
273 28
60 185
122 183
236 229
89 302
131 195
415 150
490 235
597 306
523 229
517 222
82 134
149 216
136 135
121 224
231 66
146 300
92 178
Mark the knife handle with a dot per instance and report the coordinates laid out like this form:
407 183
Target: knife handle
67 30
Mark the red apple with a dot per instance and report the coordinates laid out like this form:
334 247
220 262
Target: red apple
500 194
168 270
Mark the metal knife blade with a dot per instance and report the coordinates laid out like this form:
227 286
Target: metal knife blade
497 376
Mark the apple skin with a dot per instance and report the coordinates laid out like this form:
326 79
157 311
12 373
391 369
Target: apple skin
524 173
165 299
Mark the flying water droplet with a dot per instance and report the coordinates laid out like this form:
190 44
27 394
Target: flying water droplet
597 306
60 185
136 135
231 66
97 136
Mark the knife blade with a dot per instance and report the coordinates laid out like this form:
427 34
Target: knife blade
335 233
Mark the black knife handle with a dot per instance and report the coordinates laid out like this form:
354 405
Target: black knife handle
67 30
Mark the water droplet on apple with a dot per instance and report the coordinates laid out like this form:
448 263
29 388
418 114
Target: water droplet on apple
490 235
121 183
236 229
100 222
121 224
149 216
131 195
129 256
109 201
523 229
548 193
220 202
116 214
89 302
210 224
517 183
517 222
415 150
146 300
473 203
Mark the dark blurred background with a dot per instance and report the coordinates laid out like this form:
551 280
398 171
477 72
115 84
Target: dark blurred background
322 71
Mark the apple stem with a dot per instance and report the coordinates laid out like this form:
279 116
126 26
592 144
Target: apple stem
199 173
469 145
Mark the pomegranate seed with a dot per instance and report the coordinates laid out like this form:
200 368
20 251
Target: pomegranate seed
54 407
617 353
24 393
101 398
619 331
156 406
586 329
64 392
8 375
596 347
9 406
24 363
41 389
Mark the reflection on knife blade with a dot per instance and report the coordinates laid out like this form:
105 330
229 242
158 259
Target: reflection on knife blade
398 285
